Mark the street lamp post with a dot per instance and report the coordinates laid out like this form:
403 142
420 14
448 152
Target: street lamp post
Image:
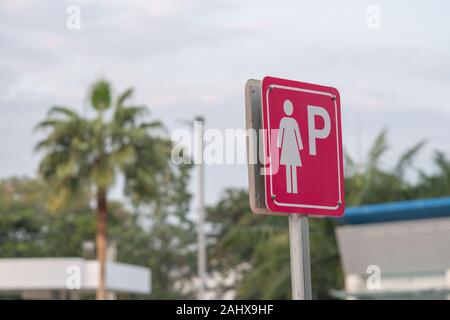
201 238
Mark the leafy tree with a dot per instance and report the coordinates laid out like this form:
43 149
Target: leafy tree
19 225
159 236
167 242
371 183
26 228
86 154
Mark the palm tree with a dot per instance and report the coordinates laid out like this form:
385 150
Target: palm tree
370 183
86 154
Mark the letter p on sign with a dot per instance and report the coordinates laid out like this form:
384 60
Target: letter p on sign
313 132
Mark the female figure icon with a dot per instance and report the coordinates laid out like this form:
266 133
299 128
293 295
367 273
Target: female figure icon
290 142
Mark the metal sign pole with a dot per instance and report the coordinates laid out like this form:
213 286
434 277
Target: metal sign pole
300 264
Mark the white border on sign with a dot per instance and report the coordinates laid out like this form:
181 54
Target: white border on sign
296 205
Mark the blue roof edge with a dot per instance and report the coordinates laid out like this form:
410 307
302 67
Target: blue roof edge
397 211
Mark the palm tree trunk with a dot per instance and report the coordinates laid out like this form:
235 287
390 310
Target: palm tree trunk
101 242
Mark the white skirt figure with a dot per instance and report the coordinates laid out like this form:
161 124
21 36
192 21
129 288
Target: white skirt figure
291 142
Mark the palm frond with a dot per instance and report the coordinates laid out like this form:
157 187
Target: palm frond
102 174
43 144
442 162
62 110
101 95
48 123
124 96
379 147
349 164
123 156
152 125
407 158
128 116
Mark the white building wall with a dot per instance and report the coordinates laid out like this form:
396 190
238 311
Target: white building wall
25 274
411 256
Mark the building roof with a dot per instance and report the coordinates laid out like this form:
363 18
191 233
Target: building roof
19 274
398 211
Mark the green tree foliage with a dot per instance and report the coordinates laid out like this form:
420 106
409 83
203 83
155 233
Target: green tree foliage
158 236
28 230
371 182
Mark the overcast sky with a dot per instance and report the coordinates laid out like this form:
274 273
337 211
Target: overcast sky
193 57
